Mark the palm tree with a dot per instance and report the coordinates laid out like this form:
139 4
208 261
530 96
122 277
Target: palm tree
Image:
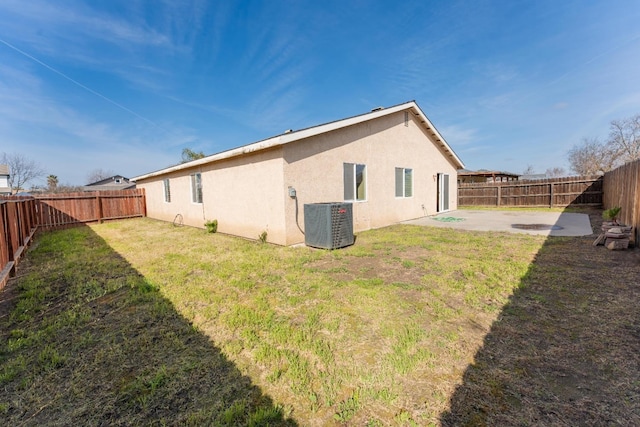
52 182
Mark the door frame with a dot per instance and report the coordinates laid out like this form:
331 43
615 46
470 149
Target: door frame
443 202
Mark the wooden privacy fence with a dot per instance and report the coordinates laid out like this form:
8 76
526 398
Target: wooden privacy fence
562 192
20 217
622 188
18 223
68 209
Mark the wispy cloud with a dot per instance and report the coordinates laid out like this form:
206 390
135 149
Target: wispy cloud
75 23
458 136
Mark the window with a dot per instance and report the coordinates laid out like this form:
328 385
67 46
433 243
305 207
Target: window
404 182
167 190
355 182
196 188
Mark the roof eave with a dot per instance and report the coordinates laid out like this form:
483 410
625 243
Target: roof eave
438 138
312 131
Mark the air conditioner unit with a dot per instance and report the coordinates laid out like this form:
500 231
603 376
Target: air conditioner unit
328 225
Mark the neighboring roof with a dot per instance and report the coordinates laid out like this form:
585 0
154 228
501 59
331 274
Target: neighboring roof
292 136
110 184
110 180
4 170
486 173
532 177
110 187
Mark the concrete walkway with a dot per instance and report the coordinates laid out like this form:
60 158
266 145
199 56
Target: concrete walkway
529 222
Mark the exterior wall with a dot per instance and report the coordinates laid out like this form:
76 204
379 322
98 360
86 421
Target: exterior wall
314 167
245 194
4 185
248 194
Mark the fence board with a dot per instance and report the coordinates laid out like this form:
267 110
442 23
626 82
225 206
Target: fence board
17 227
6 265
67 209
20 217
569 191
622 188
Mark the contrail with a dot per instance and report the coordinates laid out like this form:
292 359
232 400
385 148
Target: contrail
77 83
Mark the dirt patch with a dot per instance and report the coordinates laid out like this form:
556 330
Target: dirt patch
401 267
8 297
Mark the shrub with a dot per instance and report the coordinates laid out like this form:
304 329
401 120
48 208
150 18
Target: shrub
212 226
611 214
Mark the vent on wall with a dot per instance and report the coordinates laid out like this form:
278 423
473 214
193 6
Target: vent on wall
328 225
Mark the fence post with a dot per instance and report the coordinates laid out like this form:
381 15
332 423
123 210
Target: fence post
143 198
6 262
499 187
551 194
99 207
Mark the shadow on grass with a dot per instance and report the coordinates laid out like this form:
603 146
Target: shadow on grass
566 347
86 340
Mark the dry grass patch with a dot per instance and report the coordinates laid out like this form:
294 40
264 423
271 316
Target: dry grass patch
359 335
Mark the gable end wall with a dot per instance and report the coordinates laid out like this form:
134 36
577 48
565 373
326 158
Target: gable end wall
314 167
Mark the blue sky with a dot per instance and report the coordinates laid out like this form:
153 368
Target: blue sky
126 85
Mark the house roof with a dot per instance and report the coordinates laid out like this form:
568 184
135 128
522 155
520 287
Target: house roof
486 173
110 187
109 180
292 136
4 170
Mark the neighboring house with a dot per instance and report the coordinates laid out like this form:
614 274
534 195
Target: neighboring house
5 190
392 164
466 176
532 177
116 182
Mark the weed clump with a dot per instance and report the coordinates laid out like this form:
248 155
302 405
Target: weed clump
212 226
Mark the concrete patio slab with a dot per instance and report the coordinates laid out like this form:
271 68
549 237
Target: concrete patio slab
528 222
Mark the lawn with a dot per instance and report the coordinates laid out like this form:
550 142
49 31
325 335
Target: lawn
141 322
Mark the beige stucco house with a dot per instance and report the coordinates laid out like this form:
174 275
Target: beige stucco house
391 163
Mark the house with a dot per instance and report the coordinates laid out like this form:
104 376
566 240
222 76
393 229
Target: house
116 182
5 190
466 176
532 177
391 163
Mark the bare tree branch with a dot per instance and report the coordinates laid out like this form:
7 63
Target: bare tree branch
529 170
21 170
624 137
98 175
555 172
592 157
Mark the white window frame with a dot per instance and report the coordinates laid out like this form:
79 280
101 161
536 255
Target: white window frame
167 190
403 179
352 176
196 188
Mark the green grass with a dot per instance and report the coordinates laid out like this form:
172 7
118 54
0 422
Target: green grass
167 325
